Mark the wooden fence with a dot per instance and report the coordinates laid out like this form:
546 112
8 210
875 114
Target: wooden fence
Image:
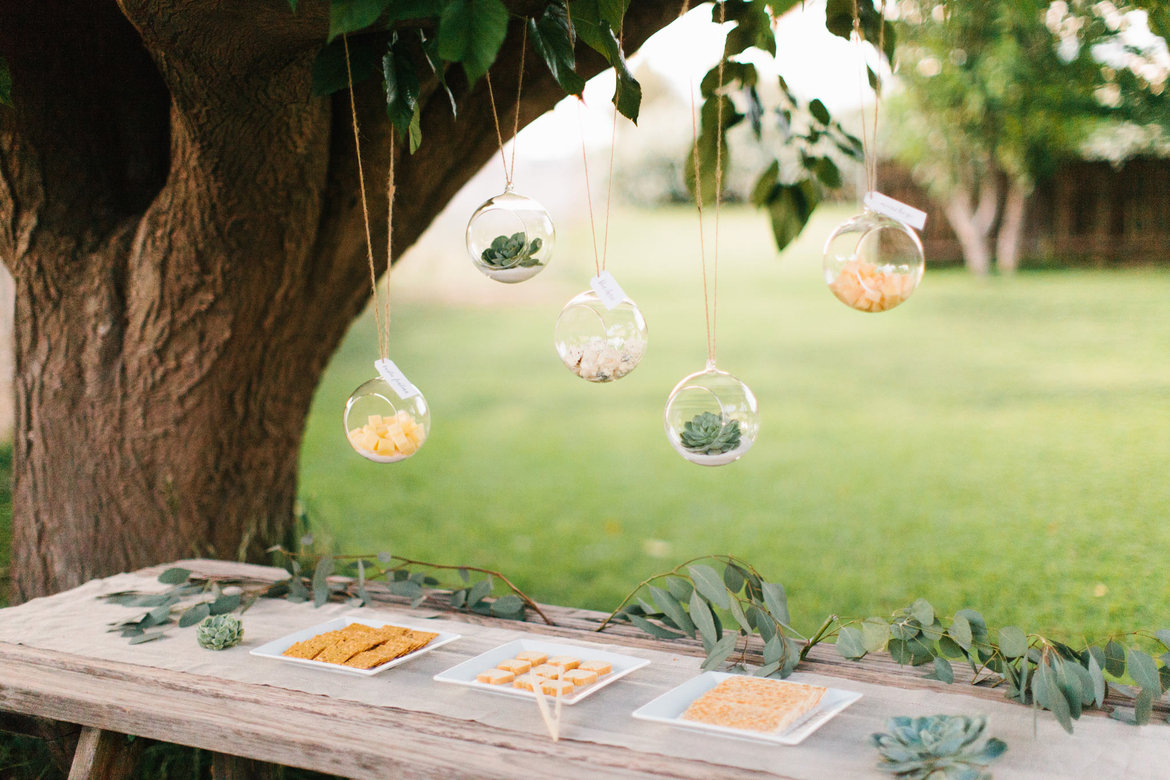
1087 213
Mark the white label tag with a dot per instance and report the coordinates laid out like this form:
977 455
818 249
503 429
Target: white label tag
395 378
896 209
607 289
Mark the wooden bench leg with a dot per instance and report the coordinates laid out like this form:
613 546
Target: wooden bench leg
225 767
103 754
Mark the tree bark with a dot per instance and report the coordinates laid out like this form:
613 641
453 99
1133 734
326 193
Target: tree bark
972 223
1011 227
181 221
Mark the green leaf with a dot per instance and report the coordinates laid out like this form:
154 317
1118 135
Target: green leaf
147 637
720 652
329 73
471 32
949 648
508 604
710 585
903 629
704 621
851 643
1070 686
458 598
293 5
552 37
875 632
350 15
1163 635
174 576
773 650
765 624
827 173
776 600
670 606
1013 643
653 628
1143 706
398 10
411 590
960 631
225 604
680 588
789 210
733 578
922 612
819 112
767 669
900 651
194 615
1098 681
1144 672
320 583
1114 659
762 190
740 617
589 20
402 86
479 591
1049 696
943 670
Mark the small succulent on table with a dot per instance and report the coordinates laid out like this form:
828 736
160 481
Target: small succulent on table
706 433
939 747
219 632
514 251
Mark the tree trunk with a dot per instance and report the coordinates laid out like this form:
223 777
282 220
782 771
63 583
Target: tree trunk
1011 227
972 223
181 221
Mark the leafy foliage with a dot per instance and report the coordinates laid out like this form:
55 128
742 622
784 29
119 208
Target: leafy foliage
514 251
708 434
219 632
941 747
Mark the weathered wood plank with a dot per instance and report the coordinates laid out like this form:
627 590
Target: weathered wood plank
286 727
103 754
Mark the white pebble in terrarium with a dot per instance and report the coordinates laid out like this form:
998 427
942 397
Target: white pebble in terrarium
597 343
712 418
510 238
873 263
384 427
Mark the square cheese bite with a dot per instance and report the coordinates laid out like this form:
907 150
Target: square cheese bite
580 676
556 687
514 665
566 662
601 667
547 670
495 677
534 657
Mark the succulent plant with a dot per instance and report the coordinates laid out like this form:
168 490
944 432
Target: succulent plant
514 251
219 632
939 747
707 434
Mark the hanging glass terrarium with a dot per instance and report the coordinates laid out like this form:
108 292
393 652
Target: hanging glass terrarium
510 237
598 343
873 262
386 423
712 418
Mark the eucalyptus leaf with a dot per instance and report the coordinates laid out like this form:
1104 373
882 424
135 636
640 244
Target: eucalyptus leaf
767 669
1013 643
720 652
479 591
774 650
225 604
704 621
175 575
733 578
943 670
1053 698
1098 681
459 598
899 651
193 615
1144 672
653 628
1143 707
1163 635
680 588
776 600
765 626
669 605
1114 659
949 648
851 643
903 629
509 604
411 590
710 585
740 617
320 580
153 635
960 632
875 632
385 557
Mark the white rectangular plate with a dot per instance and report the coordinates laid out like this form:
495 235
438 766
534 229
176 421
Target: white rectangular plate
274 648
669 707
465 673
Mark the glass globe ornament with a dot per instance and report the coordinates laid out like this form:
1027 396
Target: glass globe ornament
597 343
872 262
383 426
712 418
510 237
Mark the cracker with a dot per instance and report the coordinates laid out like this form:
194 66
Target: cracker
399 642
310 647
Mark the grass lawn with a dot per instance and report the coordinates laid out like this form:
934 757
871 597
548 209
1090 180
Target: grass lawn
999 444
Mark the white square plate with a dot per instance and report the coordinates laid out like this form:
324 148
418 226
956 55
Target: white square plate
274 648
465 673
669 707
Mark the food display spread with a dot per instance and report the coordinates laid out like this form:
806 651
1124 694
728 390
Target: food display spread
754 704
360 646
531 670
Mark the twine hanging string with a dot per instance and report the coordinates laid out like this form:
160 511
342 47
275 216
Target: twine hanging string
710 299
509 169
868 133
381 320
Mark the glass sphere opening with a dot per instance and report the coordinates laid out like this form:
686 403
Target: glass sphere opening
384 427
510 238
597 343
712 418
873 263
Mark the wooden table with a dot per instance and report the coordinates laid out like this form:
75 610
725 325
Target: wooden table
350 738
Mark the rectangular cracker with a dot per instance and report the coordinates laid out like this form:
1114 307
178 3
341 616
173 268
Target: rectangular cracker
309 648
396 646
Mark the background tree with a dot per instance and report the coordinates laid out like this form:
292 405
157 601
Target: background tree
997 93
180 215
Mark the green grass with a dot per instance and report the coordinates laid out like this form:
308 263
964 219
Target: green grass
994 443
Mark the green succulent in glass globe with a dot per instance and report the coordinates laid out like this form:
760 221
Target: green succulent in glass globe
939 747
707 433
219 632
